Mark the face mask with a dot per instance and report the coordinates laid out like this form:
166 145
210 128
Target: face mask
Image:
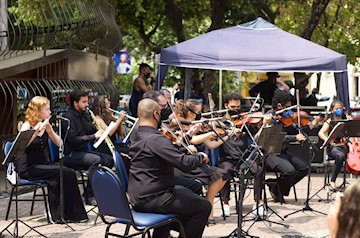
233 112
338 112
158 121
198 116
165 113
147 75
287 113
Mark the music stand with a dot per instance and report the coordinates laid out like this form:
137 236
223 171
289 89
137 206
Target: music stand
16 151
270 141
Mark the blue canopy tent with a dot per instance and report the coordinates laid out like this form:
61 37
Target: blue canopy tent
256 46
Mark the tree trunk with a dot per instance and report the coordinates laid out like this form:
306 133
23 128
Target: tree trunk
174 14
317 9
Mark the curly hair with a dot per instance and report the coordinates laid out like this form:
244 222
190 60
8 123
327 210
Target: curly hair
99 109
182 108
349 213
32 114
232 97
281 97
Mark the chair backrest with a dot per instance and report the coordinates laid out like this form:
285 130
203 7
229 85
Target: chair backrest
54 151
110 194
214 157
121 169
7 147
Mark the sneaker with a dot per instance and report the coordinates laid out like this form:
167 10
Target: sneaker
91 201
226 210
260 210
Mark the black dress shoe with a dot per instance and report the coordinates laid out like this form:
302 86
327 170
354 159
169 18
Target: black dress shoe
91 201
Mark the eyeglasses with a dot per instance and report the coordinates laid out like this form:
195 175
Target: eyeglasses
163 105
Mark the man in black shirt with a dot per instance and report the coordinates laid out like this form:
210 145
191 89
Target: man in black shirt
292 168
266 88
151 180
82 132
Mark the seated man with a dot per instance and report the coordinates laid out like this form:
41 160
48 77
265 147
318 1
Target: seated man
151 180
292 168
81 132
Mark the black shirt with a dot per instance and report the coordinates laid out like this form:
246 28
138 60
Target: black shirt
81 131
153 158
266 90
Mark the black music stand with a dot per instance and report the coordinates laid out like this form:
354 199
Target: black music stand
336 131
16 151
270 141
312 149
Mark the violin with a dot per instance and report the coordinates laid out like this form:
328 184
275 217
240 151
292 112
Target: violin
252 119
353 157
304 119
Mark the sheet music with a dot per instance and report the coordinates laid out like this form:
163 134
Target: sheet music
105 134
333 134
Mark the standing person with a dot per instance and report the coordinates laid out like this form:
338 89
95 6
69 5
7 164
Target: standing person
34 165
267 88
198 94
291 167
80 133
301 82
152 182
337 151
140 86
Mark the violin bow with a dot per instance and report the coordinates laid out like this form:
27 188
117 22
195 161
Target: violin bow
177 138
178 122
298 107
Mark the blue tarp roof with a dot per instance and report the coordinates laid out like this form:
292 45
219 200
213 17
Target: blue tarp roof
257 46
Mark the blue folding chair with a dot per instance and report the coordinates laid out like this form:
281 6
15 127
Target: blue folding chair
24 182
112 201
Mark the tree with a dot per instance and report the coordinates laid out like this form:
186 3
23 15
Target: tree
148 25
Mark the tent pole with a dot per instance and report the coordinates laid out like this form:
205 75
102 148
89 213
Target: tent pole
220 89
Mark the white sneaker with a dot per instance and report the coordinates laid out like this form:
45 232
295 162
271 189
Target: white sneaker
226 210
262 211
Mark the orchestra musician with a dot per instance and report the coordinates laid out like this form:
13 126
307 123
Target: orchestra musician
231 151
34 164
337 151
214 177
80 133
101 109
291 167
151 180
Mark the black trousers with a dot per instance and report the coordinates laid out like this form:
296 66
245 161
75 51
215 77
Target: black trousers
192 210
87 160
292 169
339 154
73 207
193 185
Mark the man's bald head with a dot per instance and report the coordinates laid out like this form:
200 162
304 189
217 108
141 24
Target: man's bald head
147 107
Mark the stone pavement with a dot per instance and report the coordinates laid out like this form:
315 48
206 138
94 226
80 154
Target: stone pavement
302 224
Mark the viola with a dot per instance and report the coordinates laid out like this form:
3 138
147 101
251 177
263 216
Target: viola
353 157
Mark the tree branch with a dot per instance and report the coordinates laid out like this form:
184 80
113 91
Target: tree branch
317 9
174 14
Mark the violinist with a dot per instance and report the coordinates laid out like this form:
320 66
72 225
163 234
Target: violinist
231 151
151 180
291 167
214 177
337 151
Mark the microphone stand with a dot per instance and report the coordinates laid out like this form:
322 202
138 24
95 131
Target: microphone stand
61 156
312 149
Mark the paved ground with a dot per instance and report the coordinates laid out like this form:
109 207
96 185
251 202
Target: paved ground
302 224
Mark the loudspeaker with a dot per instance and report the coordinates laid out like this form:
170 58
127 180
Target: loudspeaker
302 149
